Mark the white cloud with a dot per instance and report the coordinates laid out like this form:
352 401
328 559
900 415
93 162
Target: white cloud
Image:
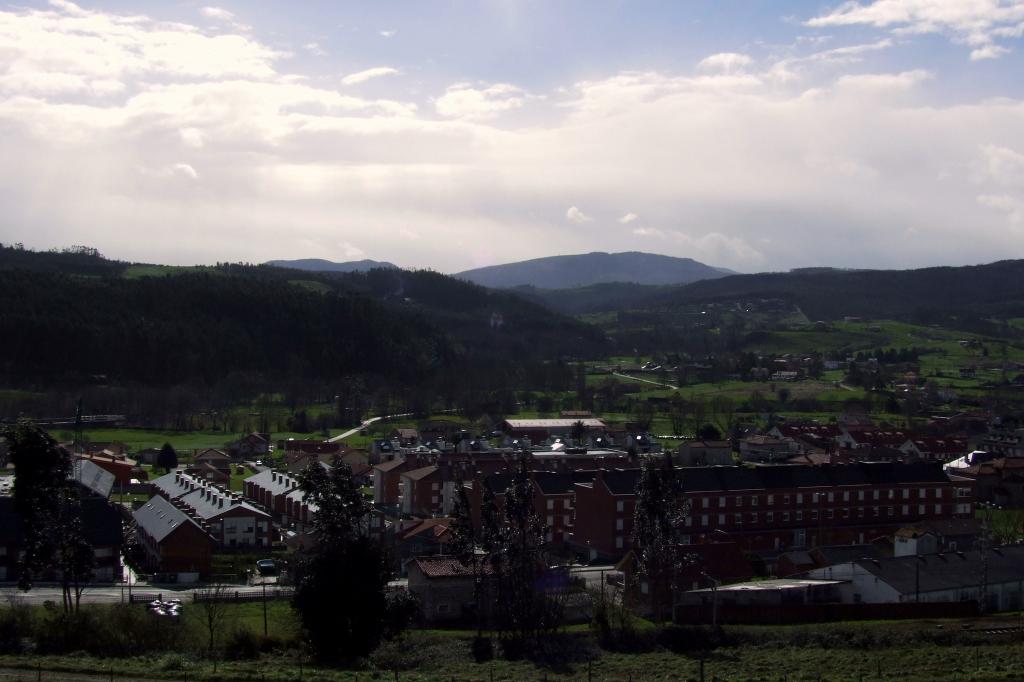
725 62
217 13
462 100
192 145
387 33
976 23
184 170
575 215
368 74
314 48
988 52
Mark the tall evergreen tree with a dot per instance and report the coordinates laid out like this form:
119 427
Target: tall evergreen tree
49 504
657 518
340 587
168 458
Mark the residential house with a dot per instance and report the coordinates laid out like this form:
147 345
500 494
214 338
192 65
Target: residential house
387 478
604 529
252 446
407 438
101 524
215 460
232 522
446 588
122 468
856 439
540 430
268 489
942 449
420 491
998 481
760 448
173 541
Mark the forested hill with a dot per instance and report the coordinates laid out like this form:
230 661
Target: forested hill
927 294
204 325
321 265
563 272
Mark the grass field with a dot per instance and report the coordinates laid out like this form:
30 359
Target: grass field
838 652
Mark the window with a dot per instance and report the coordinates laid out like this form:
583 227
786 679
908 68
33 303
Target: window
753 518
906 510
876 494
618 524
846 496
830 514
860 495
799 515
566 520
876 511
831 497
938 509
891 511
739 500
771 499
620 506
922 493
684 539
551 522
906 493
738 519
721 519
618 542
721 501
920 509
688 520
551 504
443 608
846 512
799 498
707 502
785 516
860 512
704 520
753 500
785 500
769 517
814 514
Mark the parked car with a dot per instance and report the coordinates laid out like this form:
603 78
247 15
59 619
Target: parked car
266 567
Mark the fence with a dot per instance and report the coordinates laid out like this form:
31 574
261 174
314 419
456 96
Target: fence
200 595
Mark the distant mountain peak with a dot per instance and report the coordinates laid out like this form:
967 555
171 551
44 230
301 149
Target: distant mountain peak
596 267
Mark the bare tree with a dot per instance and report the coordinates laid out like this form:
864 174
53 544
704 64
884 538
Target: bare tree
214 605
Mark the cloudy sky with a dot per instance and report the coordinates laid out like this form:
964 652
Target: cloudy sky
755 134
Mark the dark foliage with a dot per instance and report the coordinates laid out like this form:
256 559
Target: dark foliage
62 324
168 458
340 587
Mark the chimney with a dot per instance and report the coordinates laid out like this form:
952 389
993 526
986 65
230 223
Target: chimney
222 503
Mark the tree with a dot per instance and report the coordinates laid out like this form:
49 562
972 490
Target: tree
656 522
578 432
525 607
49 504
214 608
708 432
168 458
463 542
340 586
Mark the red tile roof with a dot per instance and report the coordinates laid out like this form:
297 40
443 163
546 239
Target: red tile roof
447 567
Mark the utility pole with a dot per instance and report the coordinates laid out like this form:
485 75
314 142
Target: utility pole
264 608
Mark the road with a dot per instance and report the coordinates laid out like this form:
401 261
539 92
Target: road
113 594
646 381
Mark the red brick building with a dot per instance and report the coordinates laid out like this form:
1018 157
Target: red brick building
777 507
173 541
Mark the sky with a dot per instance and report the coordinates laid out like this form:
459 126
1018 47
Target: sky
754 135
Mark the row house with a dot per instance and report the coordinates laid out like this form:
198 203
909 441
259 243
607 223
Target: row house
420 491
268 489
763 448
866 439
704 453
1005 442
172 540
553 498
175 484
773 508
231 521
934 448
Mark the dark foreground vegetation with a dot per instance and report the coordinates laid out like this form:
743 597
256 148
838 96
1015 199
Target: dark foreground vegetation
131 643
